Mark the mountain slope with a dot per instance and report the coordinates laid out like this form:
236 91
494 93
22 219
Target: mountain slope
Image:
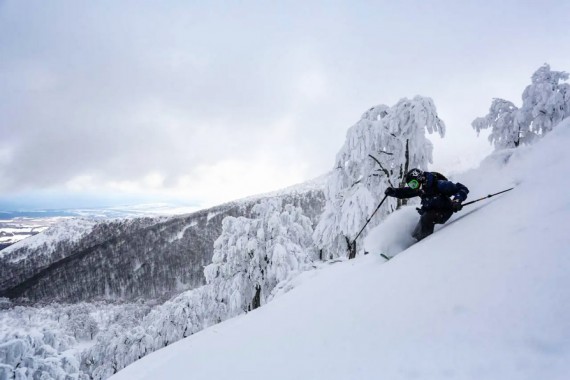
485 297
128 259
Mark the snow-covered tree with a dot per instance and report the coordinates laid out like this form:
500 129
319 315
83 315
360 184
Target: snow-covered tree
545 103
32 346
82 326
176 319
253 255
42 342
503 118
378 151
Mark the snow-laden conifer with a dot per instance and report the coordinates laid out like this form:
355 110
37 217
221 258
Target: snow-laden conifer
378 151
545 103
253 255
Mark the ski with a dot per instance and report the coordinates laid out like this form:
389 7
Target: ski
384 256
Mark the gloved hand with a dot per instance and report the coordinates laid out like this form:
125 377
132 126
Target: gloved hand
456 205
390 192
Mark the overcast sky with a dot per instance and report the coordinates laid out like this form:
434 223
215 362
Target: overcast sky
208 101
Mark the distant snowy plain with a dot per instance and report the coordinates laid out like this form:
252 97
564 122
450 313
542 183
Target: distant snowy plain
16 226
486 297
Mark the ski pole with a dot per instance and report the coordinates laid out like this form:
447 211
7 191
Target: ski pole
488 196
369 219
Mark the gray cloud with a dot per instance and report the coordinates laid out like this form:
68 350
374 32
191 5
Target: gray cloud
118 91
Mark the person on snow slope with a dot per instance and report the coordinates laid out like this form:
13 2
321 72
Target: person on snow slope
440 198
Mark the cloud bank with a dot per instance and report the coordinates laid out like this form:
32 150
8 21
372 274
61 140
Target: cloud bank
210 102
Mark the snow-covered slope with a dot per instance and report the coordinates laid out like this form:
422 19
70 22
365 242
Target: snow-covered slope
485 297
70 230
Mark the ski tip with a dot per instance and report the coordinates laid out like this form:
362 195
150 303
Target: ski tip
384 256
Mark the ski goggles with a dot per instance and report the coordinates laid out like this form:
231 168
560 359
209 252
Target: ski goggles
414 184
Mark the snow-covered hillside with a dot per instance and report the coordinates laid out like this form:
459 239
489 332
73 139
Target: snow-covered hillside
70 230
485 297
128 258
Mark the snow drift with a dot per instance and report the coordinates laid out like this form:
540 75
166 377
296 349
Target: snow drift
485 297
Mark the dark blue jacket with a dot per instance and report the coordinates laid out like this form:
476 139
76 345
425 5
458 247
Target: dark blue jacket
435 194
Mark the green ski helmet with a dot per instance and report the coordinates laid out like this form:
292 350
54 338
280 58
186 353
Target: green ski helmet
415 178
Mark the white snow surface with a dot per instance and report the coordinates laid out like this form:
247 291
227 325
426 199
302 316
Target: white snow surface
486 297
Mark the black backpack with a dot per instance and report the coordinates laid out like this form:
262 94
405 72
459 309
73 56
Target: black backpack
439 176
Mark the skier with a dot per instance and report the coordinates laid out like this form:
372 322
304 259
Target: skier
436 192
